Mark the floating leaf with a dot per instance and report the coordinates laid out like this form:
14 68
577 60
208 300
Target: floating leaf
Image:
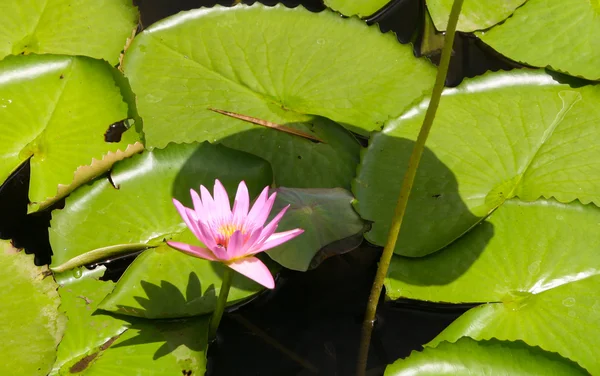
534 264
97 343
563 35
55 111
474 15
156 348
280 78
495 137
326 215
88 332
468 357
74 27
165 283
363 8
32 325
101 220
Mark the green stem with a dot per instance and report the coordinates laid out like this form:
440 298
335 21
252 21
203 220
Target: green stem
218 313
407 183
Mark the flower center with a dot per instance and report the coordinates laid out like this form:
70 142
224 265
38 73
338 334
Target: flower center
225 232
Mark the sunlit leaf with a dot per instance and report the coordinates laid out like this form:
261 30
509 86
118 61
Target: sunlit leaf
98 343
502 135
88 332
101 220
253 61
535 265
165 283
54 111
563 35
156 348
467 357
32 325
96 28
474 15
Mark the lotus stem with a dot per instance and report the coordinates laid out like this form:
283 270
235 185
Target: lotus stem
407 183
221 302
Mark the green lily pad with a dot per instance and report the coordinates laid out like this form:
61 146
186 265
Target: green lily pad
563 35
55 111
156 348
97 343
507 134
326 215
32 324
474 15
88 333
165 283
533 264
75 27
362 8
468 357
280 78
101 220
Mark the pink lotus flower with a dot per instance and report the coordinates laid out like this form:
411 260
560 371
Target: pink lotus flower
233 237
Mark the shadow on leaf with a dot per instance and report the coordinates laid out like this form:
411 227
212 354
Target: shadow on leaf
164 300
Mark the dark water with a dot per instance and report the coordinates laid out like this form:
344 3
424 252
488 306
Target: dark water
310 324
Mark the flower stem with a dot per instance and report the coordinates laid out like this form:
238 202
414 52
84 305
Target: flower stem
407 183
218 313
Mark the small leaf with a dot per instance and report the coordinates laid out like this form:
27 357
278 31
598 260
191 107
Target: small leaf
326 215
562 35
475 14
55 110
74 27
467 357
534 264
32 325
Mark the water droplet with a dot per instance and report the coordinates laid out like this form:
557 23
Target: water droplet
572 313
596 307
568 302
321 41
534 268
560 217
77 273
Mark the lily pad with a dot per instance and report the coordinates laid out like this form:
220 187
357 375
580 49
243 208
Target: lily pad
563 35
532 264
474 15
32 324
132 209
165 283
507 134
92 28
98 343
280 78
326 215
55 111
156 348
88 332
468 357
363 8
